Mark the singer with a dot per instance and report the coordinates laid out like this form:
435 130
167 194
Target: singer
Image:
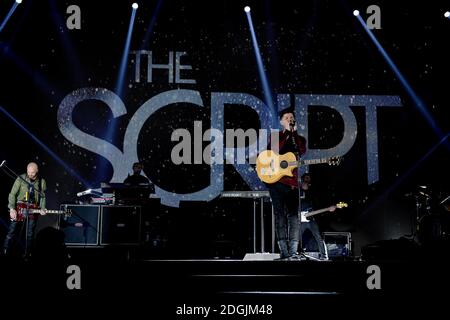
284 193
22 191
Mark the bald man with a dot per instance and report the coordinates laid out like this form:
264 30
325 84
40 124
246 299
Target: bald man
22 192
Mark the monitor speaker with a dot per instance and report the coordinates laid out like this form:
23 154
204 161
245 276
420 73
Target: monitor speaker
120 225
81 228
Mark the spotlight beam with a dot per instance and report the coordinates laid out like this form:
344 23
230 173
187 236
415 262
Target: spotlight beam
262 74
38 78
70 170
119 89
126 50
405 175
8 16
151 25
65 39
409 90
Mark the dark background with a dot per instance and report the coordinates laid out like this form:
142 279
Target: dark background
316 47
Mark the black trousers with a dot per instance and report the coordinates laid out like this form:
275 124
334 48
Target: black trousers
16 229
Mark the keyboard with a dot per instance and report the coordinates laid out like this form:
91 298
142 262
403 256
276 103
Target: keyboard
245 194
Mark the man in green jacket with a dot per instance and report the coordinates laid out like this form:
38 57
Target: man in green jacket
31 191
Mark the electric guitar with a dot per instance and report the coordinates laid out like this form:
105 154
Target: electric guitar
271 166
23 210
308 214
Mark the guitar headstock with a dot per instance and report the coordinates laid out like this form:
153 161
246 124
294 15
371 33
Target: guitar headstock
334 161
341 205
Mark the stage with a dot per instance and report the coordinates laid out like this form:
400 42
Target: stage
165 286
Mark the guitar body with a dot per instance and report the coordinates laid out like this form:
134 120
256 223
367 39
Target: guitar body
303 217
21 209
271 167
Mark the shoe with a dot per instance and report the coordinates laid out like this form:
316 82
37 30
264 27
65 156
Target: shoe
281 259
284 251
323 257
293 247
295 257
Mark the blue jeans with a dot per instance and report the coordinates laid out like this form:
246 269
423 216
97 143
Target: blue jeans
314 228
16 227
285 206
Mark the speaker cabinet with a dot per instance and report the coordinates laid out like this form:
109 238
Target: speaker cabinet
82 227
120 225
339 244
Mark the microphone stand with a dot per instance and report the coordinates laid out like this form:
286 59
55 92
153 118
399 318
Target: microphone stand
31 188
299 185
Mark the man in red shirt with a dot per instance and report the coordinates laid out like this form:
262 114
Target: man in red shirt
284 193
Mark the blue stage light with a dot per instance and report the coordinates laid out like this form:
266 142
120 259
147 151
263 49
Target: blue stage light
261 70
10 13
418 103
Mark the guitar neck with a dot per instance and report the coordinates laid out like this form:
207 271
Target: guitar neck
314 161
47 212
308 162
313 213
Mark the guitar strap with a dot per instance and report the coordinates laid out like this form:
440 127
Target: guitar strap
38 197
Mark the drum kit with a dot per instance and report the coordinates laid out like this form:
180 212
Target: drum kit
432 221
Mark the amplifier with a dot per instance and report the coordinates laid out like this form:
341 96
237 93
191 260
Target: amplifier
120 225
82 227
339 244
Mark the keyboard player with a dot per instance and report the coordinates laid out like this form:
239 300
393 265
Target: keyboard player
136 178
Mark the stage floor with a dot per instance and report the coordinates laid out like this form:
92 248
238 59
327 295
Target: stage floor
209 278
237 289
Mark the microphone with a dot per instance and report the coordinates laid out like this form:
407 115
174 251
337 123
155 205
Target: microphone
83 193
292 124
3 163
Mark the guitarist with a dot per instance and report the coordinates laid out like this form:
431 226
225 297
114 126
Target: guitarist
307 205
20 192
284 193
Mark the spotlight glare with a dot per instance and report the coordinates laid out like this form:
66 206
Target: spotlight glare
356 13
247 9
19 1
135 6
447 14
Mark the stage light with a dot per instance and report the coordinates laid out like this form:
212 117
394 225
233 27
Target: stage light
266 88
126 50
46 148
356 13
418 103
135 6
152 23
447 14
247 9
10 13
